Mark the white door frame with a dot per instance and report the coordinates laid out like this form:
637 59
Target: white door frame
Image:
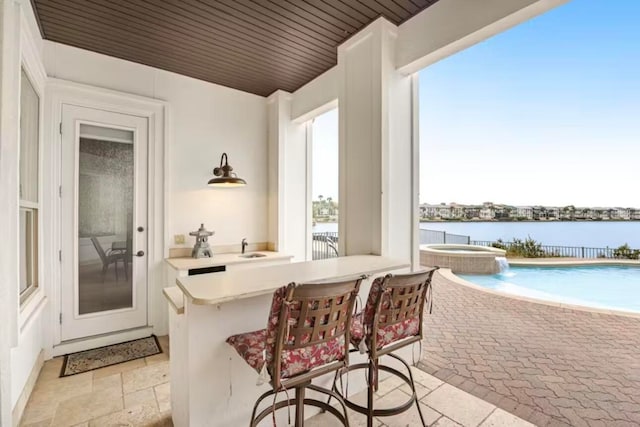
60 92
76 325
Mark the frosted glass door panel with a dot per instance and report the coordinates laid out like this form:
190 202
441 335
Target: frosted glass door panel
105 219
104 222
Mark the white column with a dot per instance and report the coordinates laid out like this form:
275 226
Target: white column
287 179
9 154
377 200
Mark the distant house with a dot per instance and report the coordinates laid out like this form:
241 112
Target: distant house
524 212
489 211
624 213
553 213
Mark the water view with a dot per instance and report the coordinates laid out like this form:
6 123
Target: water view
596 234
569 285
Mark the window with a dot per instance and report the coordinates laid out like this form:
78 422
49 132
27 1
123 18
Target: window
324 185
28 186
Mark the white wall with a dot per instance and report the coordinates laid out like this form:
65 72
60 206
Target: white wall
205 120
25 355
9 210
21 337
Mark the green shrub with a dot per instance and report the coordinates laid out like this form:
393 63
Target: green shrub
499 244
527 248
626 252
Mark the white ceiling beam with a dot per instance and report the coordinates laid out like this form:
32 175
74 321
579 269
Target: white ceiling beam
450 26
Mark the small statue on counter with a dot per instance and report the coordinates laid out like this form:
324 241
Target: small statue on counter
201 248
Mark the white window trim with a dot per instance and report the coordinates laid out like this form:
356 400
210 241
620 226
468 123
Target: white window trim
34 69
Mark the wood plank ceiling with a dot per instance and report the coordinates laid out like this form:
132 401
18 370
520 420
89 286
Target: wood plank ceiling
257 46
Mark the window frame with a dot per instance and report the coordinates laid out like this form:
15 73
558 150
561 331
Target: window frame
35 208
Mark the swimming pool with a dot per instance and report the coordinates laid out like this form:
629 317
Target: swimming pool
608 287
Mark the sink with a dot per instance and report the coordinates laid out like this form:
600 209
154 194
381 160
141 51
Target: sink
254 255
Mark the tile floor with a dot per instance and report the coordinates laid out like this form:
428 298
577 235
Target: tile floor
136 393
442 405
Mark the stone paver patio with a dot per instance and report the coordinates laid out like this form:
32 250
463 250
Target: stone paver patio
549 365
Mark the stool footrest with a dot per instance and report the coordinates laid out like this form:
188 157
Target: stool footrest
307 402
379 412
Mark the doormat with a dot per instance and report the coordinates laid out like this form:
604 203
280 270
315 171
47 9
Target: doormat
84 361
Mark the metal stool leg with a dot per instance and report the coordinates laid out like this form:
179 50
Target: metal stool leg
412 385
333 386
371 384
299 406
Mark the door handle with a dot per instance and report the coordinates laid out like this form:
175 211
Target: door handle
140 229
140 253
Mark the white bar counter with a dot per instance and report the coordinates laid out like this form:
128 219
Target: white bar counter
210 384
205 289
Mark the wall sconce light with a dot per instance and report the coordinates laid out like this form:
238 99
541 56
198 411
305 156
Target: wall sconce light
227 178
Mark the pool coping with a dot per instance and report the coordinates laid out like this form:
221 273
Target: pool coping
446 273
450 249
551 262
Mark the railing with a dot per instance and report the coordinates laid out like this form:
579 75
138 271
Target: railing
324 245
562 251
428 237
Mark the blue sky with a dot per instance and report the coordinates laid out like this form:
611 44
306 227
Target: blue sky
324 169
545 113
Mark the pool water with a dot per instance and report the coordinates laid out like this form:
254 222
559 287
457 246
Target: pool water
610 287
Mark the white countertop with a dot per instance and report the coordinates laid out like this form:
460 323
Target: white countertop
175 297
232 285
188 263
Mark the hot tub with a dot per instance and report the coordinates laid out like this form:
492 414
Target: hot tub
465 259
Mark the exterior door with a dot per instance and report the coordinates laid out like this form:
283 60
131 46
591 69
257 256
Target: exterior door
104 222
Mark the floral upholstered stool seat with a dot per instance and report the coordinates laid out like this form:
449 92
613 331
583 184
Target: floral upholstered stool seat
392 319
307 335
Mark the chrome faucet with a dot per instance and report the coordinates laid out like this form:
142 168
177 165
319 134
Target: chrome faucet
244 244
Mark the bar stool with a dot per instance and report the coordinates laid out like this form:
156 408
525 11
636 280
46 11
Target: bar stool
307 335
392 319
